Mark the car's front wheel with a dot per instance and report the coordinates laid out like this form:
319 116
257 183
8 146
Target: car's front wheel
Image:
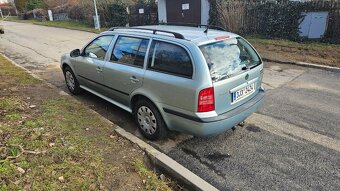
149 120
71 81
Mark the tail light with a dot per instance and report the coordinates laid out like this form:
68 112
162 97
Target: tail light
206 100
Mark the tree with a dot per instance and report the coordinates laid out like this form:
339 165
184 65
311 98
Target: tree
34 4
20 5
56 3
27 5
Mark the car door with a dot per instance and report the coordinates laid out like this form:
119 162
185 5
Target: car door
89 66
124 72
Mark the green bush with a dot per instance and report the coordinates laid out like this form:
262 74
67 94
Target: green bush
279 20
119 16
34 4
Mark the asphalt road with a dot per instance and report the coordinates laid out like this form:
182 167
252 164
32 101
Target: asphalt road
292 143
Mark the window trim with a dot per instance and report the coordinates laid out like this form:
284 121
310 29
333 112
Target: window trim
170 73
88 44
126 64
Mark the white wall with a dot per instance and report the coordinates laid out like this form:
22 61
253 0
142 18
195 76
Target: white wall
3 1
162 11
205 7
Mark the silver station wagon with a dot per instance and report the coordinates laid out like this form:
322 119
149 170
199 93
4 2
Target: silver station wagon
199 80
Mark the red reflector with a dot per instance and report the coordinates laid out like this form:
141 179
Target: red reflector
222 37
206 100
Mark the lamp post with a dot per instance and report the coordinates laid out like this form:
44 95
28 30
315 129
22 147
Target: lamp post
96 20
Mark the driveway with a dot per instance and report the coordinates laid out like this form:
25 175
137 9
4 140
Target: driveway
292 143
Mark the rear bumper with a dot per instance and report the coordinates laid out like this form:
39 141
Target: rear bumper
213 125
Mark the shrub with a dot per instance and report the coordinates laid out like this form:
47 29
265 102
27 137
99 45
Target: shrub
39 13
119 16
279 20
34 4
74 11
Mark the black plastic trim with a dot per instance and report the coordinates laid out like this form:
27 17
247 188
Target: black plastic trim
154 31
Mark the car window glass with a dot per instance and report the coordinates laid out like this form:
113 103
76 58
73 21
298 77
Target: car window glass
129 50
228 57
170 58
98 48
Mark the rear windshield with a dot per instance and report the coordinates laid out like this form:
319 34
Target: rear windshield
229 57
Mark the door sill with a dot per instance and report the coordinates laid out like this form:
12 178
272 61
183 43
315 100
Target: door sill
107 99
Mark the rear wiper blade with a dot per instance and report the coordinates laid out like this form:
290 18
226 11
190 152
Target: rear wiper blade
254 65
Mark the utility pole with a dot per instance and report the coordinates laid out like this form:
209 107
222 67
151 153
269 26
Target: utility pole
96 20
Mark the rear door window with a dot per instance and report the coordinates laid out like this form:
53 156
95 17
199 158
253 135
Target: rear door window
170 58
228 57
130 51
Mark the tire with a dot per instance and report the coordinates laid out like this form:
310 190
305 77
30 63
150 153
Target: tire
71 81
149 120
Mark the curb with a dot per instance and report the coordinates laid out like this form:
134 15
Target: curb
159 159
305 64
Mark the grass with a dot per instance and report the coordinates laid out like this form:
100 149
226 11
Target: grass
152 182
290 51
60 144
13 75
308 45
74 25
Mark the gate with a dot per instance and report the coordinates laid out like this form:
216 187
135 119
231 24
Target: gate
143 14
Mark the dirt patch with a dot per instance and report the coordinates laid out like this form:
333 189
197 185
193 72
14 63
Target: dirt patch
292 52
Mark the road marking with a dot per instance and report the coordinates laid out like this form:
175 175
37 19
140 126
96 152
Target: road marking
282 128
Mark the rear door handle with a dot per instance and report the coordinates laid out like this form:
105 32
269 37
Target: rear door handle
133 79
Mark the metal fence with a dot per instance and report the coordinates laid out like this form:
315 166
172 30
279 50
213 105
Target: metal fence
60 17
145 14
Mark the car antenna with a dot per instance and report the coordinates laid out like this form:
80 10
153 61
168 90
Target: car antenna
206 30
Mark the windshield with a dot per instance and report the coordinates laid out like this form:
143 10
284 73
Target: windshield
228 57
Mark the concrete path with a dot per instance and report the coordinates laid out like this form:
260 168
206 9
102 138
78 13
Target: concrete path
39 48
292 143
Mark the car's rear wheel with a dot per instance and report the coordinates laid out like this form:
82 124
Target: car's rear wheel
149 120
71 81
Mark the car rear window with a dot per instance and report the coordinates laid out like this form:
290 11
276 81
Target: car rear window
229 57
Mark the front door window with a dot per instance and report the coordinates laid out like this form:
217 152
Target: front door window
98 48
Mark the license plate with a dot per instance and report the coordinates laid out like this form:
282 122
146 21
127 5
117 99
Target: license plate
243 93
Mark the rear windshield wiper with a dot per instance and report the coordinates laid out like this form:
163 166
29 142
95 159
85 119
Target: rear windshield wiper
255 65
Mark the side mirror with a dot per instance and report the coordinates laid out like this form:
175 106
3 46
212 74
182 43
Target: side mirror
75 53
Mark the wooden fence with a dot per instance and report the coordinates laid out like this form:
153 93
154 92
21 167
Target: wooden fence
241 16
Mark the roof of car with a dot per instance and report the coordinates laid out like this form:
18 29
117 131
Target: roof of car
194 34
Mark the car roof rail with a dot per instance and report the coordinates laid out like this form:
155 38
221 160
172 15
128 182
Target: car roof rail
195 25
154 31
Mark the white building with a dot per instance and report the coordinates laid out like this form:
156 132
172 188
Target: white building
175 11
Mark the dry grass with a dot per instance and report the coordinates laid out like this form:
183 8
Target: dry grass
285 50
51 142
